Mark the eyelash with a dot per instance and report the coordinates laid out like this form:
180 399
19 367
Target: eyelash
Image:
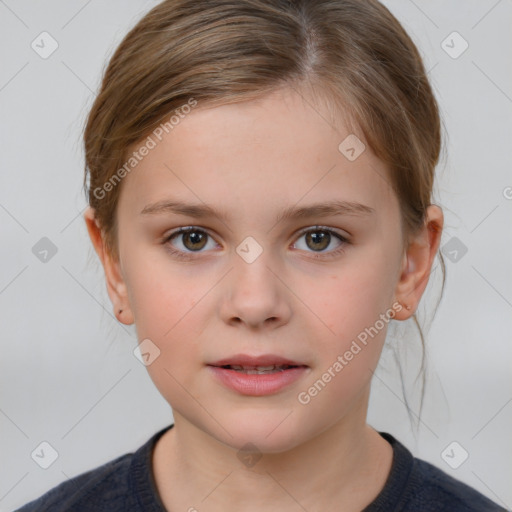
188 256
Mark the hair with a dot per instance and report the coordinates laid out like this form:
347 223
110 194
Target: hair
353 53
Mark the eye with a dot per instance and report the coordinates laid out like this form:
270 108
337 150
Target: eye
320 238
188 240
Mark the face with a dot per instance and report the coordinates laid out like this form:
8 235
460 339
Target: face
248 279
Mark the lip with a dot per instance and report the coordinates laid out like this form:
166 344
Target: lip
257 384
261 360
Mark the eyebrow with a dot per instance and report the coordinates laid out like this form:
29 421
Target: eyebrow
200 211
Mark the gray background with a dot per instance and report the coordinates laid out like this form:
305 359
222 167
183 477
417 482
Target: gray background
68 375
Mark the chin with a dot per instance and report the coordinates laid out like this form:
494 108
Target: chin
270 431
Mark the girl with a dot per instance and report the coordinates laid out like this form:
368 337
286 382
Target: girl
260 180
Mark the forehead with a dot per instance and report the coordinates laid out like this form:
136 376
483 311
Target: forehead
283 148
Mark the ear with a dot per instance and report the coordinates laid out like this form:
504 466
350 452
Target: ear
417 262
116 286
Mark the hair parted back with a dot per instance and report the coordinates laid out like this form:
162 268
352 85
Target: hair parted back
352 53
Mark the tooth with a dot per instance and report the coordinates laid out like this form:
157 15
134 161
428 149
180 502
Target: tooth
253 370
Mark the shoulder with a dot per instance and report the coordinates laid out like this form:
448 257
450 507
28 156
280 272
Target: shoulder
103 488
415 484
438 490
124 483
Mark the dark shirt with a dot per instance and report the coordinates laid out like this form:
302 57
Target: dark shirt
127 484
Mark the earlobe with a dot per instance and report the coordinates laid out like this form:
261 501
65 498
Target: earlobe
116 287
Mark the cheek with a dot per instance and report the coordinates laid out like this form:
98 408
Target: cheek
162 297
351 331
351 307
348 300
168 311
172 306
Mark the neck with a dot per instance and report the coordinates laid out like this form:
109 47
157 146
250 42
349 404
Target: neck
345 467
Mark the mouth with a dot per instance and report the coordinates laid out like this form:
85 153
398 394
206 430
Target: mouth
257 376
260 370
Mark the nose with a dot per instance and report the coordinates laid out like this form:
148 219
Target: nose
254 296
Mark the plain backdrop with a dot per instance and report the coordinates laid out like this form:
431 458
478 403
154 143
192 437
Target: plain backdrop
68 375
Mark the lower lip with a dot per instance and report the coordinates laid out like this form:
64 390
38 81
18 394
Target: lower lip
258 384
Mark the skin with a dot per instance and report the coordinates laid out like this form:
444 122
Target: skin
251 160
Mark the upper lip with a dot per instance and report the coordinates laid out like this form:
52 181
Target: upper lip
262 360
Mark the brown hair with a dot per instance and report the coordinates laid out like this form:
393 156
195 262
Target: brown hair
353 53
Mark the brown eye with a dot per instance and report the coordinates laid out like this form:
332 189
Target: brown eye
190 239
321 240
194 240
318 240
